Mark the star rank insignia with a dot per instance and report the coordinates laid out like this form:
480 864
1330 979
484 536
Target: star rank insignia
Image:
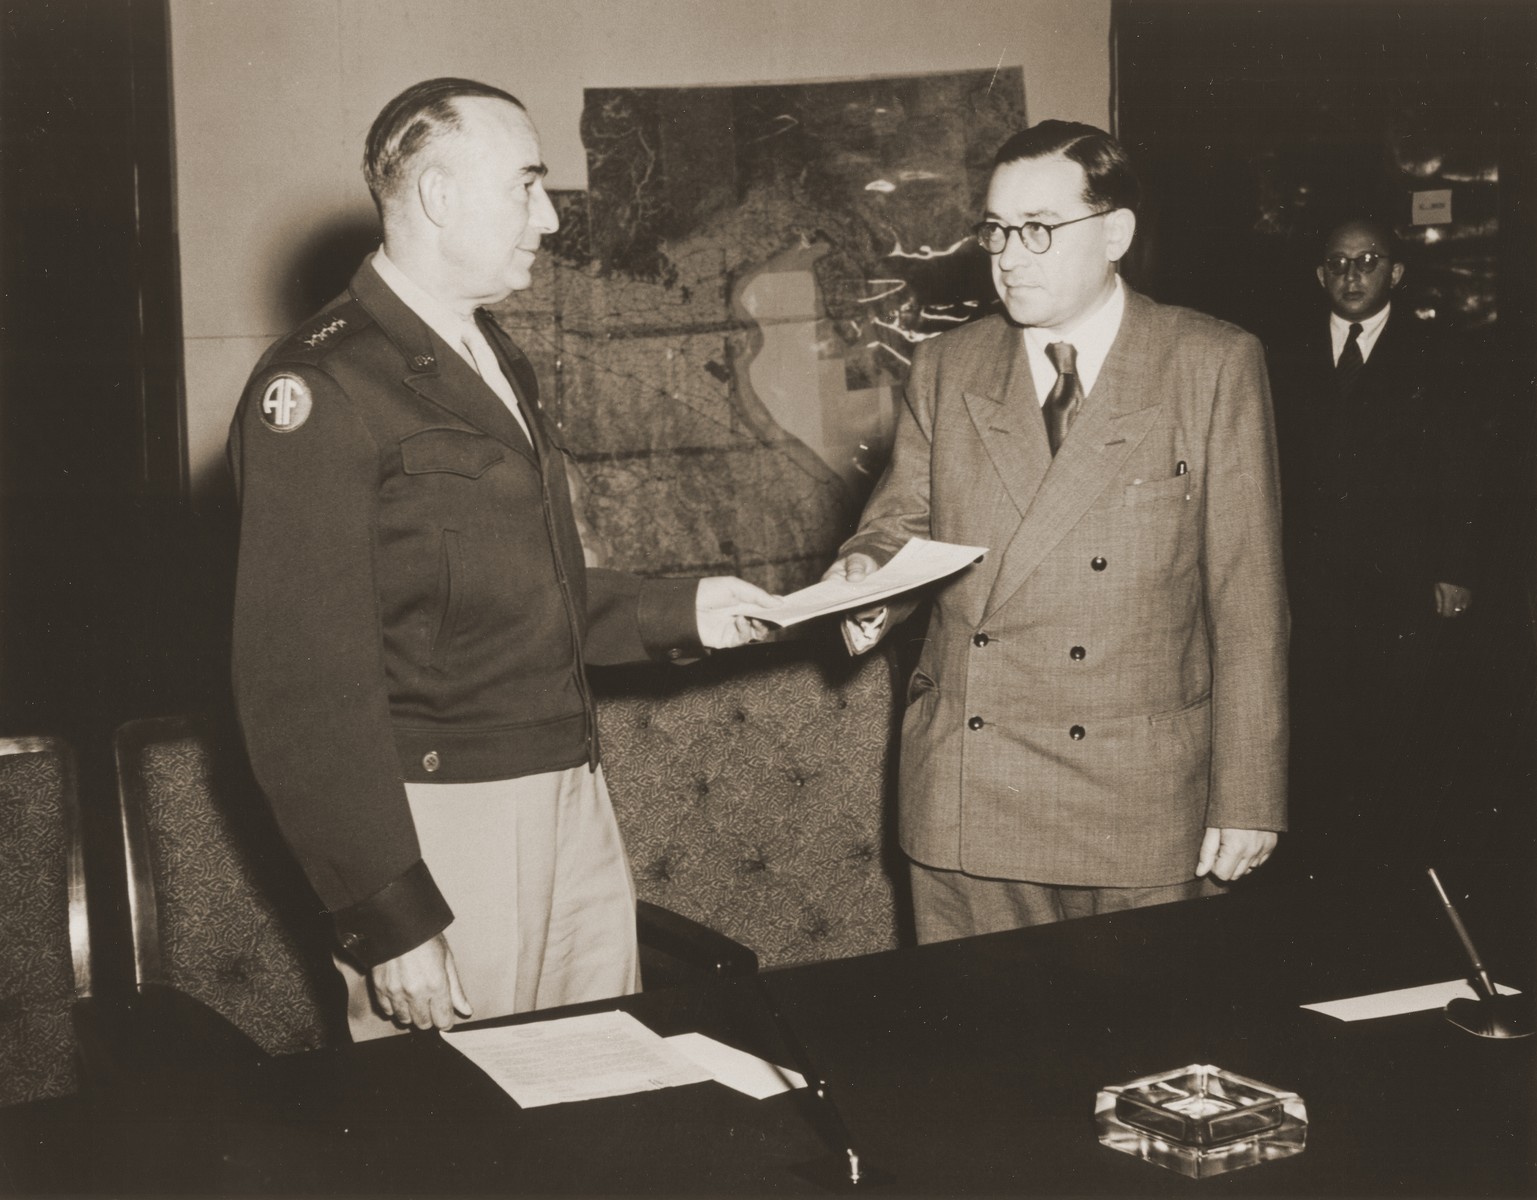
325 331
286 403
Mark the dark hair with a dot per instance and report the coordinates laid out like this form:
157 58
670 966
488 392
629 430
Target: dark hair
410 121
1379 229
1110 180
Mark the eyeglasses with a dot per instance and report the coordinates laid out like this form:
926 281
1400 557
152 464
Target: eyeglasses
1035 237
1365 262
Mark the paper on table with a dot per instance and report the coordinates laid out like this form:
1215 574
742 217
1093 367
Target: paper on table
1404 1000
575 1058
735 1068
915 564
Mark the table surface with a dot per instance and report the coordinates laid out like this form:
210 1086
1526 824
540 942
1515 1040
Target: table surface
965 1067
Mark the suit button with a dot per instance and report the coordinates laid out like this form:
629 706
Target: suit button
975 723
1076 733
675 653
1077 653
431 761
351 941
1098 563
980 639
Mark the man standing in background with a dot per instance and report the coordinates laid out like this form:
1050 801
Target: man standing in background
1098 717
1381 502
413 613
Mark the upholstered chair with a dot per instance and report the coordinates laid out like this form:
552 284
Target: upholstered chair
45 970
223 921
753 790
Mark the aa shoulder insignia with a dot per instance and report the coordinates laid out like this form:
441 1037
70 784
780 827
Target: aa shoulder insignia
286 403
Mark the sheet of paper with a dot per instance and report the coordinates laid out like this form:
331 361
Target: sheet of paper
1404 1000
735 1068
915 564
575 1058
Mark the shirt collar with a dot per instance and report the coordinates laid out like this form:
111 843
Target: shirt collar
1091 339
1371 330
442 320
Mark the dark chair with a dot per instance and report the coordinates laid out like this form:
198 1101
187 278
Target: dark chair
753 792
231 958
45 962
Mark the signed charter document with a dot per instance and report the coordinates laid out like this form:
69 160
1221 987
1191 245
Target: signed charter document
915 564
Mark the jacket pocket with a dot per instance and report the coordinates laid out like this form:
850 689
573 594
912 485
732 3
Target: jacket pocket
919 685
455 451
451 588
1176 487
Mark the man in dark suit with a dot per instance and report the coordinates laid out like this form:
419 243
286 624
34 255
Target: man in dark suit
413 614
1380 509
1098 717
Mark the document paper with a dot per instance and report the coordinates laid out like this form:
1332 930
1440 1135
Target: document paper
747 1073
1404 1000
575 1058
915 564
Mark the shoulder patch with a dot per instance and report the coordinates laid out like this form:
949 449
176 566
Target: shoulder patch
286 403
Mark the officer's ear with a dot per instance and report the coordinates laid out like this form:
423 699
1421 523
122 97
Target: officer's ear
435 193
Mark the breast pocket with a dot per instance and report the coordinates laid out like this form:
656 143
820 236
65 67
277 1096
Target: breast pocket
1162 518
450 451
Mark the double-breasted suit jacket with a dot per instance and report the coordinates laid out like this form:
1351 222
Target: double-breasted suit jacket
1111 679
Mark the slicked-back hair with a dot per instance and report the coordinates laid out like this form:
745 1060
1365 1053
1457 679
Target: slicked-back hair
411 121
1379 229
1110 180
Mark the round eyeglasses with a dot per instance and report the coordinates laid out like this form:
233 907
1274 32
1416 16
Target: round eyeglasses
1035 236
1366 262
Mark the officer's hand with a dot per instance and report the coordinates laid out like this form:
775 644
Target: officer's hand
1451 600
421 987
851 567
718 609
1232 853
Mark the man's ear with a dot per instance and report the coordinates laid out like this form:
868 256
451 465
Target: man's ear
1398 273
1121 227
435 193
1323 280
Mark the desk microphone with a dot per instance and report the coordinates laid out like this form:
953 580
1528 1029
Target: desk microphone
847 1170
1493 1014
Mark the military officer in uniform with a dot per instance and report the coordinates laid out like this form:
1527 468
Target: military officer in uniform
413 613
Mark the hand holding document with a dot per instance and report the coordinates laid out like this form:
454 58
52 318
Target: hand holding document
917 563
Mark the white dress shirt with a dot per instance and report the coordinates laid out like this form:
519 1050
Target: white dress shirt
1091 340
1371 330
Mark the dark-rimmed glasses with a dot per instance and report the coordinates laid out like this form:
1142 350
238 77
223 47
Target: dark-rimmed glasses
1366 262
993 236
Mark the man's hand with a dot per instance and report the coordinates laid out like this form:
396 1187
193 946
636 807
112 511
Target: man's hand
717 608
421 987
852 567
1451 600
1232 853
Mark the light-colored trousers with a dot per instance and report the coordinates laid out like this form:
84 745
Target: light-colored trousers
536 875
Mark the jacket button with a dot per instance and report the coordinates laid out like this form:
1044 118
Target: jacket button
980 639
675 653
1077 653
975 723
431 761
1098 563
1076 733
351 941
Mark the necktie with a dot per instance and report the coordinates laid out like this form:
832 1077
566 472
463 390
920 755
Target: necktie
1066 395
483 358
1350 362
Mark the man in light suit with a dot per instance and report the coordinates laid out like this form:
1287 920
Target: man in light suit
1379 455
1098 717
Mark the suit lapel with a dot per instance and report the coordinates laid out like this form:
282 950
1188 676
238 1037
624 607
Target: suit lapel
1115 418
437 372
1003 406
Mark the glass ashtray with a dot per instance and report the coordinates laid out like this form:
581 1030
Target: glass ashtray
1201 1120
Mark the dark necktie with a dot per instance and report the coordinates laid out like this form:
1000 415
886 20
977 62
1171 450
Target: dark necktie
1350 363
1066 395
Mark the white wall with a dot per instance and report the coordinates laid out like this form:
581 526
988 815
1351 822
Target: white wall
273 99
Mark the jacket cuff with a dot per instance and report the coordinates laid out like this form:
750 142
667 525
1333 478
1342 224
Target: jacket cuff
667 614
400 916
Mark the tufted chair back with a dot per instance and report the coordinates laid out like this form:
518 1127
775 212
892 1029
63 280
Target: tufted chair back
220 911
44 952
753 791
